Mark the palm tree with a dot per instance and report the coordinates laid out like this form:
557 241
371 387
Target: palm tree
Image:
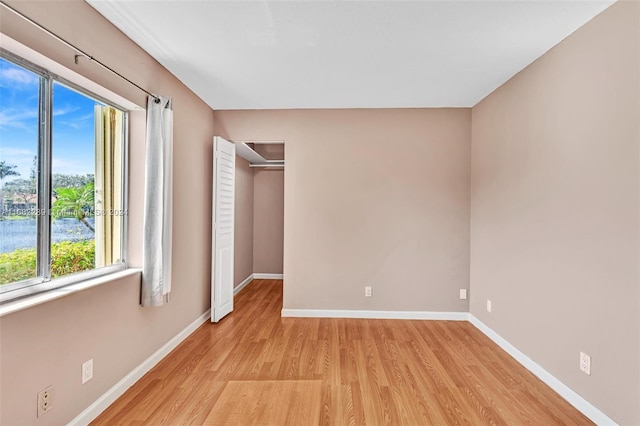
74 201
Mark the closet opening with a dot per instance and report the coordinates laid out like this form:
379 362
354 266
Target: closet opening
259 211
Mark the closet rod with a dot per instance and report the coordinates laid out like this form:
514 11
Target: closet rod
82 53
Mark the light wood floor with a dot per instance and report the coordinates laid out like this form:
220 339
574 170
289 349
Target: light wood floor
336 372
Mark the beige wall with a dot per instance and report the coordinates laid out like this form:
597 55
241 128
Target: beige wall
244 234
46 345
268 221
554 211
372 197
381 198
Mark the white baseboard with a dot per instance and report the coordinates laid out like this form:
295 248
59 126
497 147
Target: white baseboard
581 404
406 315
252 277
259 276
101 404
243 284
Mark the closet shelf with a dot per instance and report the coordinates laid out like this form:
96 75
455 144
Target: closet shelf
255 159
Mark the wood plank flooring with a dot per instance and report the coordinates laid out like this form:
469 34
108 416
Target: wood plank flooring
371 372
273 402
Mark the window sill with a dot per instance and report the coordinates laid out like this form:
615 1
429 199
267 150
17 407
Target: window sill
48 296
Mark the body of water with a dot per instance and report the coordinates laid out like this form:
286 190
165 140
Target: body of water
22 233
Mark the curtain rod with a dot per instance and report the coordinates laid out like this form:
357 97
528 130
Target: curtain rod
82 53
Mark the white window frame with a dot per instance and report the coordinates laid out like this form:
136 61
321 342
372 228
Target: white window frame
43 281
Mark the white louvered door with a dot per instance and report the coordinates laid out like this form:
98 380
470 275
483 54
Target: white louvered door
224 162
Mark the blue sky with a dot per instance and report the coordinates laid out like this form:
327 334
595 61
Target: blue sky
73 125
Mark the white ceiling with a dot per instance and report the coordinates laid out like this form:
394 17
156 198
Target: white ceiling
346 54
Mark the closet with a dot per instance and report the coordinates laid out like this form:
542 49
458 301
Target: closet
259 213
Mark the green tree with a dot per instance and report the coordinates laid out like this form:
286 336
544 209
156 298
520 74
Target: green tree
70 181
74 202
24 189
7 170
21 188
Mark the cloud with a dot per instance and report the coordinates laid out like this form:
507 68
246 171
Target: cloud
79 122
16 117
19 157
67 109
12 77
12 117
16 151
70 167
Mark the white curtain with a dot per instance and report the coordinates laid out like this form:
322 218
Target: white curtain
156 246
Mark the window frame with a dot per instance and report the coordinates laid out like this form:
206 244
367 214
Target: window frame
43 281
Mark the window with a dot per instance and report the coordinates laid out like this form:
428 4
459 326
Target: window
62 181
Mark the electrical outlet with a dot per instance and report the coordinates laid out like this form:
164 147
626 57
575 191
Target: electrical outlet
367 291
488 305
45 400
585 363
463 293
87 371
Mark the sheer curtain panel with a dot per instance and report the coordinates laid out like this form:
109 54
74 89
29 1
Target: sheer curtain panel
156 246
